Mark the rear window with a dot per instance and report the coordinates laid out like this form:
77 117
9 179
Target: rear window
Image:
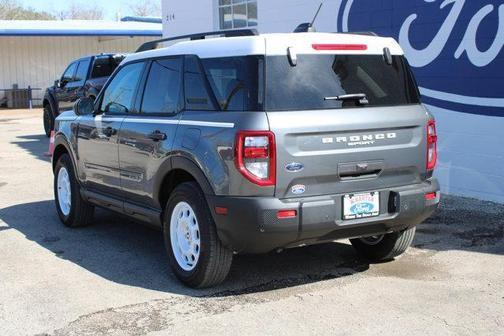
104 66
316 77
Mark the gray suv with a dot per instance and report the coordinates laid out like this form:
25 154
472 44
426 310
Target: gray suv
251 143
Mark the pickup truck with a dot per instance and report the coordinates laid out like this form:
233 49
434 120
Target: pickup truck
84 77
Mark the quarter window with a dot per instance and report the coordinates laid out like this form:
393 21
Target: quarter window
237 13
236 82
162 90
118 96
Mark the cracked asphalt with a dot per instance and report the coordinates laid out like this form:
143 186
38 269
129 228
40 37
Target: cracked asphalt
113 279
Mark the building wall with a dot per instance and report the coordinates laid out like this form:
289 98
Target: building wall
38 61
456 51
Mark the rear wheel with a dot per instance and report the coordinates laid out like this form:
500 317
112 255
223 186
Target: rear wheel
196 255
48 120
72 209
384 247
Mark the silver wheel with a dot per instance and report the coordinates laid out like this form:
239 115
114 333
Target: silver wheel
185 236
64 191
372 240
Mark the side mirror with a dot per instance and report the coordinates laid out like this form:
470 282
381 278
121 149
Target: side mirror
62 82
57 83
84 106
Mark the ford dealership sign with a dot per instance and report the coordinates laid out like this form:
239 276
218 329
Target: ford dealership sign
454 46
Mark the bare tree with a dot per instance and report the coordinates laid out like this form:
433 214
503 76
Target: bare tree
82 12
13 10
146 8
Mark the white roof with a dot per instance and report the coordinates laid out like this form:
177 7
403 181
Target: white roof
277 44
78 28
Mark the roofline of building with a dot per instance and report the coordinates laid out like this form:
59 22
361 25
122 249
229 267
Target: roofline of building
79 32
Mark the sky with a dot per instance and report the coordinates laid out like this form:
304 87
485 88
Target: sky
110 7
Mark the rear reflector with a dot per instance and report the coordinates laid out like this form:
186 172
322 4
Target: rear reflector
339 46
221 211
282 214
430 196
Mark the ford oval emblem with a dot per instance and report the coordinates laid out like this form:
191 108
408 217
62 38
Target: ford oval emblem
364 207
294 167
298 189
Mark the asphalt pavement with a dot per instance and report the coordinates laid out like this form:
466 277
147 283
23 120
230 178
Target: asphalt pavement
113 278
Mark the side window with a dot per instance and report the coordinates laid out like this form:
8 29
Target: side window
69 73
119 94
196 94
163 87
235 82
82 70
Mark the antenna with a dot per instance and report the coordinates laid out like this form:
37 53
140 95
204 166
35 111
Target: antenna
307 27
316 14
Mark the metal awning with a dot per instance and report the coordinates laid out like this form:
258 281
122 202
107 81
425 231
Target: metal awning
79 28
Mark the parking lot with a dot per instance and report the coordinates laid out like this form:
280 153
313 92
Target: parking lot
113 278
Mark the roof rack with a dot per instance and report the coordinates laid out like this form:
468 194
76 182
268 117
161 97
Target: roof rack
199 36
368 33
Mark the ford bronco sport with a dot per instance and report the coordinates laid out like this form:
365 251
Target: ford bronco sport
254 143
82 78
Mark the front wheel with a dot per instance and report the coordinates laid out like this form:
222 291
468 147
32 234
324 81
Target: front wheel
384 247
48 120
196 255
72 209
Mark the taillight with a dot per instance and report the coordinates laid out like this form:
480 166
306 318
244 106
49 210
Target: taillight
255 156
431 145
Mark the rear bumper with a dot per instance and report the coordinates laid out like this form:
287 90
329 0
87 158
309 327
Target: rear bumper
251 224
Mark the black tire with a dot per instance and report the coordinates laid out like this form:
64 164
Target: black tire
215 260
48 118
81 212
385 247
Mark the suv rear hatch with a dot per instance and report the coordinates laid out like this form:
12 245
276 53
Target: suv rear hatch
344 122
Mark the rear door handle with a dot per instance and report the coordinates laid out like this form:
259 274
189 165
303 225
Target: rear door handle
157 136
109 131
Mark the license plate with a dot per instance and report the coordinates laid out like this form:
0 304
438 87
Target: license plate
361 205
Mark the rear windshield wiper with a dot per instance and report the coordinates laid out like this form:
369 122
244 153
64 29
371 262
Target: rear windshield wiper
361 98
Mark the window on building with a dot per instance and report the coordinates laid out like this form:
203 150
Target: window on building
237 13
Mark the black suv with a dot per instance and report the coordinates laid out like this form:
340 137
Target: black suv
82 78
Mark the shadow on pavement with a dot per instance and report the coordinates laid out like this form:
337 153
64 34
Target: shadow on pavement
125 252
36 145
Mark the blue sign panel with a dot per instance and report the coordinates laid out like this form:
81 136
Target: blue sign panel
455 47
